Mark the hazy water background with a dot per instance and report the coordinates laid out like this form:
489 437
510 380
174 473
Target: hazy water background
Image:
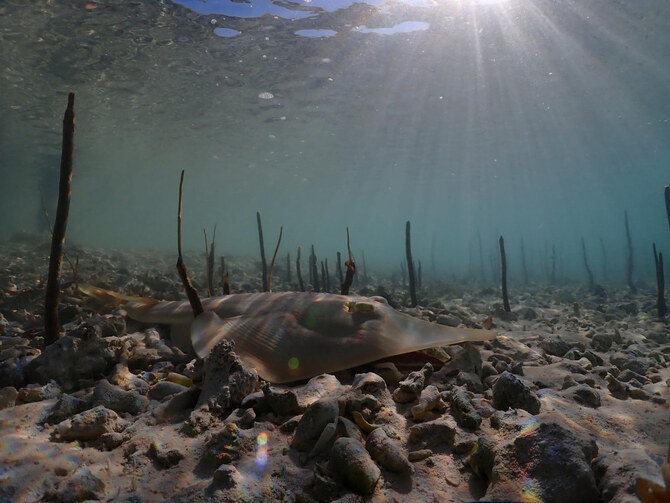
541 119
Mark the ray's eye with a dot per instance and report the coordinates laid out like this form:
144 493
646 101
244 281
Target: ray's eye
364 308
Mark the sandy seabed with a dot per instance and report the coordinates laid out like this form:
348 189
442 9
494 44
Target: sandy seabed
569 403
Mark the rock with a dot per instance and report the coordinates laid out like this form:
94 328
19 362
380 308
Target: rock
465 358
325 488
555 346
82 485
419 455
627 361
36 393
448 320
628 375
317 416
471 381
226 379
65 407
8 396
90 424
601 342
433 433
409 389
166 458
617 388
429 400
352 462
226 476
317 387
198 422
117 399
510 391
549 458
463 411
616 474
586 395
128 381
163 389
72 358
282 402
178 404
224 445
387 453
482 458
244 418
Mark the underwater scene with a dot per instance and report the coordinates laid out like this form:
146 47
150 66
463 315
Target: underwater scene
334 250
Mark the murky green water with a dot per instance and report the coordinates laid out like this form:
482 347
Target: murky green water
539 119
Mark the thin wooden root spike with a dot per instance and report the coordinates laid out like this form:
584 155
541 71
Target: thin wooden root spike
274 256
351 269
191 293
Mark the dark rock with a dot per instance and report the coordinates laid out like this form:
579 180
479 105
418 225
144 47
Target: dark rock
462 410
82 485
282 402
433 433
471 381
466 358
321 413
510 391
419 455
627 375
429 400
65 407
387 453
631 308
601 342
551 459
117 399
166 458
616 473
325 488
224 445
177 405
8 396
244 418
555 346
226 476
197 423
628 361
482 458
352 462
72 358
163 389
586 396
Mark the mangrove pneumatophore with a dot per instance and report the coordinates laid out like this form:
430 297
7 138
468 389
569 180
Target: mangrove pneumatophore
592 283
351 269
52 295
503 269
264 265
629 255
410 265
191 292
274 257
298 273
660 284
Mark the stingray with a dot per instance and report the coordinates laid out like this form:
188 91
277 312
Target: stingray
289 336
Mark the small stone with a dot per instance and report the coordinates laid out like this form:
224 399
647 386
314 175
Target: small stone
435 432
409 389
90 424
387 453
429 400
66 406
354 464
466 358
463 411
510 391
601 342
482 458
117 399
166 458
419 455
244 418
8 396
178 404
282 402
82 485
163 389
586 396
555 346
226 476
321 413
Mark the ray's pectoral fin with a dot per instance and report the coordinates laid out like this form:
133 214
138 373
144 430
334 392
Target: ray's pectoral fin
207 330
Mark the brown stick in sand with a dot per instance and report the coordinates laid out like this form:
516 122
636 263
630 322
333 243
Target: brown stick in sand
191 293
274 257
351 270
52 296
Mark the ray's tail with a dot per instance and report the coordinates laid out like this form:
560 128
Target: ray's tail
113 299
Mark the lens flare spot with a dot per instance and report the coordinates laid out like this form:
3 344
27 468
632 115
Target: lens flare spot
262 439
293 363
262 456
